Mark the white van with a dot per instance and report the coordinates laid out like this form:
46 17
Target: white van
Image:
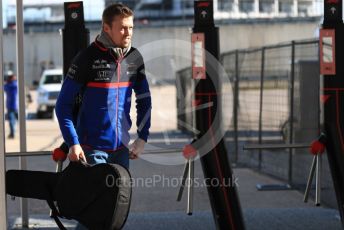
48 90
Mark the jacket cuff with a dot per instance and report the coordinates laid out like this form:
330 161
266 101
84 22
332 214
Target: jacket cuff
143 136
73 141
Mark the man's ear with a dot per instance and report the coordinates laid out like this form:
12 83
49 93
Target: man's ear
106 27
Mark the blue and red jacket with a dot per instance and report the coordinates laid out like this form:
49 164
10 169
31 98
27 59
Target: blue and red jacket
105 83
11 89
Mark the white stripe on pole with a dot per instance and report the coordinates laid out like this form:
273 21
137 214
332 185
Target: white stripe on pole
3 212
22 113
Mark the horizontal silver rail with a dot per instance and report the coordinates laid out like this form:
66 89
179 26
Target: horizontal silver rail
167 150
276 146
47 153
28 154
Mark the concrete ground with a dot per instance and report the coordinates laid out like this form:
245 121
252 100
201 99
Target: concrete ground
157 178
154 204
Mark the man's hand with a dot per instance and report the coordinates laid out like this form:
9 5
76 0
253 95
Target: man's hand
136 148
76 153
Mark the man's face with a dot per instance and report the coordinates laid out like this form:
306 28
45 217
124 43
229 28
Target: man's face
120 31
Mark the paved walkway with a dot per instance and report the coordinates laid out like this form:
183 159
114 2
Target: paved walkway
155 206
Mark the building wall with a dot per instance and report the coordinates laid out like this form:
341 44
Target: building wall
165 49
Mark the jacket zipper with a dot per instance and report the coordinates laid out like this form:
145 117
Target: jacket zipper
117 97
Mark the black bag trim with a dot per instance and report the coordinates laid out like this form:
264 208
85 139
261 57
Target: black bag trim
123 201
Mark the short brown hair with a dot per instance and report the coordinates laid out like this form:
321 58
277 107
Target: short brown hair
114 10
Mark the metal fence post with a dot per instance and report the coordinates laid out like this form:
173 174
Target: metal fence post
291 113
236 107
21 90
3 212
261 107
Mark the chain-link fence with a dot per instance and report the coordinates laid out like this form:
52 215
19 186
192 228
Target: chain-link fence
275 100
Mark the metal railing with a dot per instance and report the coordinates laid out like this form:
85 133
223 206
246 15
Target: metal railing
267 105
274 100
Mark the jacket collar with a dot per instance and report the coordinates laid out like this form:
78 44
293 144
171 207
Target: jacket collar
104 42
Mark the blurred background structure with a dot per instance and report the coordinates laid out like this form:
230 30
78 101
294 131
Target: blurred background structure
243 24
44 11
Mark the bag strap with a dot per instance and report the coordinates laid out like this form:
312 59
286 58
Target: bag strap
54 212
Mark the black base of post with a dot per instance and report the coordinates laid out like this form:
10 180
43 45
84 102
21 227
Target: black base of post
207 120
75 36
222 189
334 105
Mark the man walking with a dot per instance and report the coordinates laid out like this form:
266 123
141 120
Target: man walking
105 74
11 89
